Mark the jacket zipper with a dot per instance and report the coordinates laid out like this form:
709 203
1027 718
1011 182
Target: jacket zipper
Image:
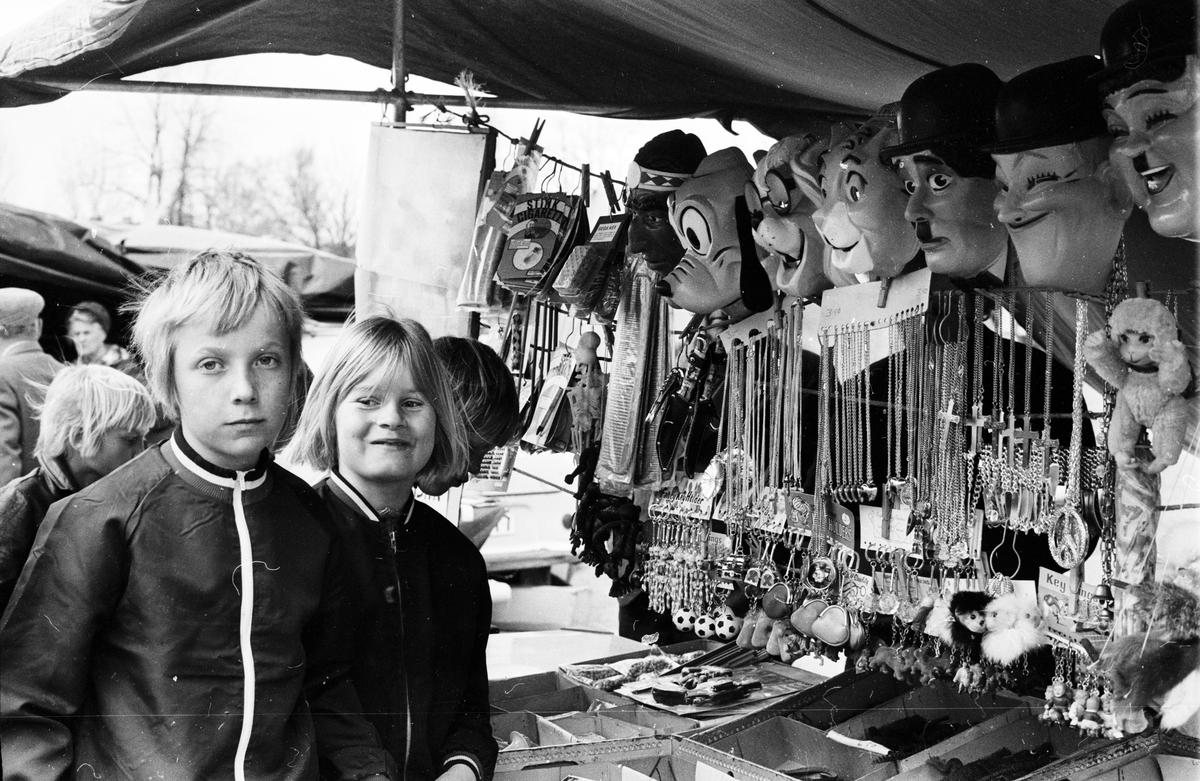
244 625
391 530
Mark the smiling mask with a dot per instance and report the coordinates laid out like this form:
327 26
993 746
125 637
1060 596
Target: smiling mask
861 217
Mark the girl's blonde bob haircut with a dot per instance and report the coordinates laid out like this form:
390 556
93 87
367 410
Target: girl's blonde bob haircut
83 403
379 347
226 290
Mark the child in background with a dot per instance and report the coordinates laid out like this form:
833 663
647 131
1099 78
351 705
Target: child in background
180 618
93 419
381 419
485 392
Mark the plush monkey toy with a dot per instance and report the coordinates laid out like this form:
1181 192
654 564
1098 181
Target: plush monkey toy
1146 362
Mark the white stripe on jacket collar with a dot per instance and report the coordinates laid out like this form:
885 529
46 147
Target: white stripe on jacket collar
361 502
207 476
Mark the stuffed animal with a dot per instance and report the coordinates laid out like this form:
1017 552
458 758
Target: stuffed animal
970 616
1146 362
1013 629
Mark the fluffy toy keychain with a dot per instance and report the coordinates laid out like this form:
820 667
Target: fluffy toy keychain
1014 628
970 618
1144 359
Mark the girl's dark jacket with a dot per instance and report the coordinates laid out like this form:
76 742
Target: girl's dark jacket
422 623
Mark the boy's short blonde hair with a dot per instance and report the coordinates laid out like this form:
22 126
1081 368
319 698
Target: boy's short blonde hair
85 402
365 348
226 289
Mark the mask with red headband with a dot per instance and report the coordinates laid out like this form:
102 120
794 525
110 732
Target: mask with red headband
720 268
658 169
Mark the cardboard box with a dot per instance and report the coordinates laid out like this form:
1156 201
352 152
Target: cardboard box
785 746
595 727
985 712
540 731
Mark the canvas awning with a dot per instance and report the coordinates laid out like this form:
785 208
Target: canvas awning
778 63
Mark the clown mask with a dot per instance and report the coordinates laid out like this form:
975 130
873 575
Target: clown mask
781 213
1155 133
1064 208
704 216
861 216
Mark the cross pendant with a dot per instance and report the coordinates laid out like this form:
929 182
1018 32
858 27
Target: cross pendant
1028 440
948 418
977 423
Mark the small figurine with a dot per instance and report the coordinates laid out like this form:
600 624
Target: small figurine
586 395
1090 723
1047 709
1059 703
1076 712
1146 362
1108 717
962 678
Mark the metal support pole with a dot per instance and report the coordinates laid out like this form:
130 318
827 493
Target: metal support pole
400 107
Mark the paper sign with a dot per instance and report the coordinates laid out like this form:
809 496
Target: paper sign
871 527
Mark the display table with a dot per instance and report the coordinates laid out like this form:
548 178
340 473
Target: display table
514 654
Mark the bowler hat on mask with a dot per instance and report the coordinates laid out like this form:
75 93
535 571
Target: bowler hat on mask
1047 106
950 107
1146 39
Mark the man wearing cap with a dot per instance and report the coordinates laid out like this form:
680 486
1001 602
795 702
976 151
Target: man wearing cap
1150 88
945 119
88 327
658 169
25 371
1060 199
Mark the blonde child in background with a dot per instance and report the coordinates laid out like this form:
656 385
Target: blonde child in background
93 419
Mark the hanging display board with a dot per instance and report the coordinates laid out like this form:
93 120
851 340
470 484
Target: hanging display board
417 221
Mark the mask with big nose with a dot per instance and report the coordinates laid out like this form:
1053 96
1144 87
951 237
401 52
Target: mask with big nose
720 268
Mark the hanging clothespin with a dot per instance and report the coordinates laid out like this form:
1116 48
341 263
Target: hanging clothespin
885 285
610 191
585 184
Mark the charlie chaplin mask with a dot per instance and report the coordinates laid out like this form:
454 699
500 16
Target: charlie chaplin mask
665 162
1149 83
861 216
945 119
704 214
1059 197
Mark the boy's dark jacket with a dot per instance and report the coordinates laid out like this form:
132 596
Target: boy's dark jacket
427 648
120 653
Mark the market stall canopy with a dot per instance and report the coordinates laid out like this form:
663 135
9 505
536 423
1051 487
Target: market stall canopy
324 281
777 63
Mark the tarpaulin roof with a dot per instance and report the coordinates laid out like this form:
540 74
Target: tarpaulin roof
774 62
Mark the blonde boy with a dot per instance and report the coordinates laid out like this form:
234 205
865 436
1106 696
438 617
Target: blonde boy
179 619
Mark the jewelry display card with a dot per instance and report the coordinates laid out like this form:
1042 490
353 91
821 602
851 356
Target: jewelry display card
856 307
